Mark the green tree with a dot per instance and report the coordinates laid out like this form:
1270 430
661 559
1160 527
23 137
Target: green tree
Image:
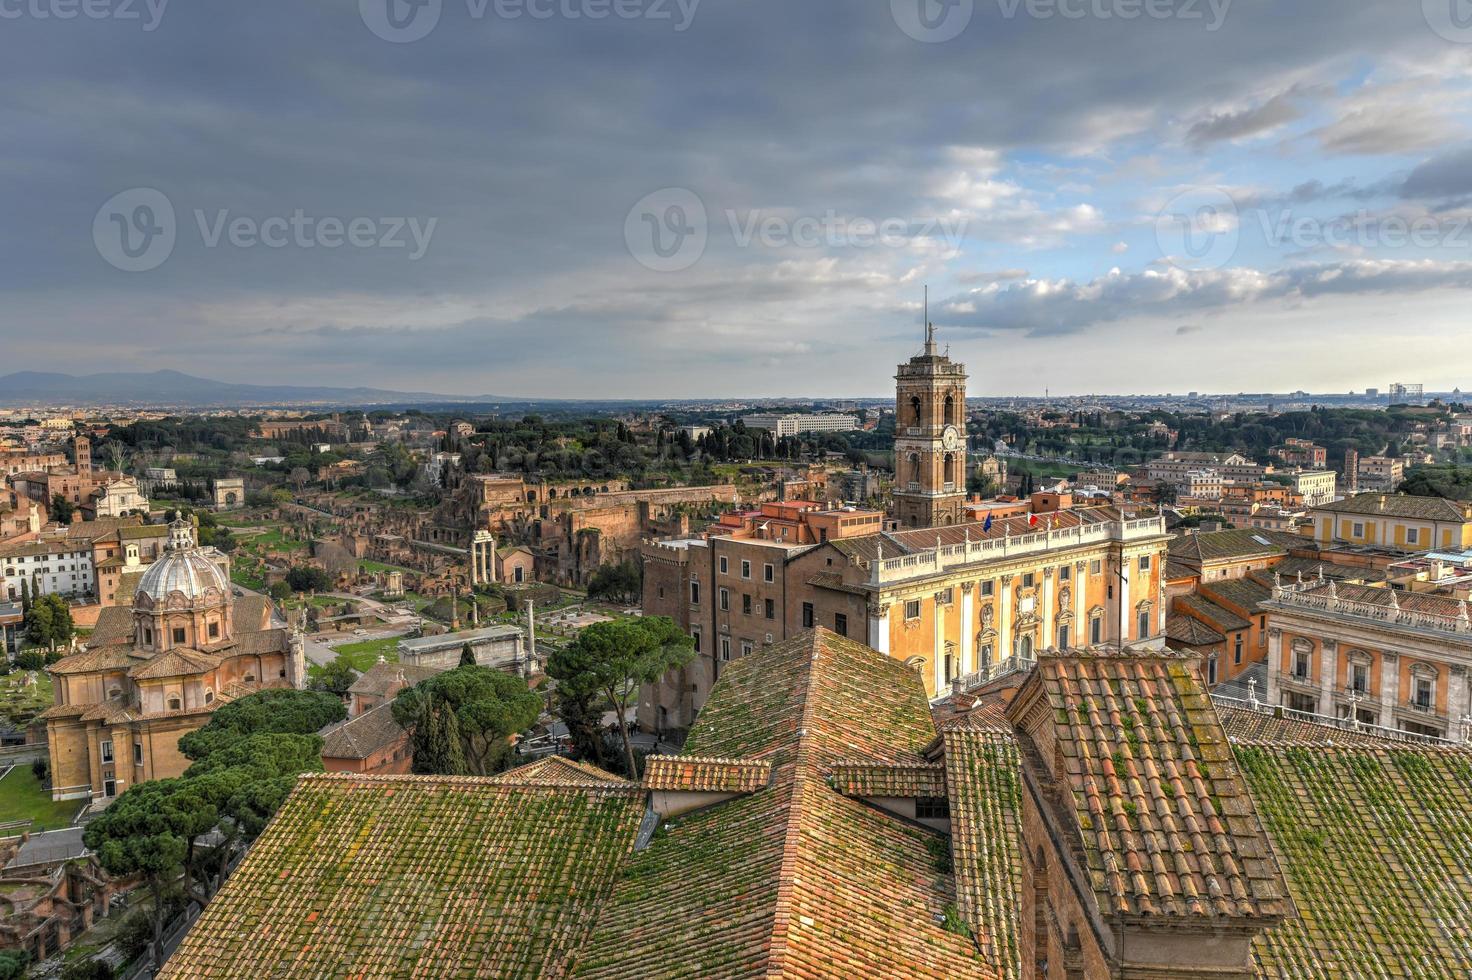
306 578
13 963
49 622
137 835
579 710
489 706
467 655
615 658
61 510
620 583
264 712
280 591
335 678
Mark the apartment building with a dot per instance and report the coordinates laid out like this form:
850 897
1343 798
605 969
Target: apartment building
1369 653
1396 521
952 603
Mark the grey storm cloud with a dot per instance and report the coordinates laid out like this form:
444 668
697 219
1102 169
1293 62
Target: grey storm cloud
1044 308
527 141
1446 176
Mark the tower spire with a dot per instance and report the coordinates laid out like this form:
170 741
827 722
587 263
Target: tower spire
929 327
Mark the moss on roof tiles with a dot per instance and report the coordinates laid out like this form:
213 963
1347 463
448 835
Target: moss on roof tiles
795 879
1376 846
416 876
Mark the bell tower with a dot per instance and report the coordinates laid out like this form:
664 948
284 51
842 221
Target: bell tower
930 438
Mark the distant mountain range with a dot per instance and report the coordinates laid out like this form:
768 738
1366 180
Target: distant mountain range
172 388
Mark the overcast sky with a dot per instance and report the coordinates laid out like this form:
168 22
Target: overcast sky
687 198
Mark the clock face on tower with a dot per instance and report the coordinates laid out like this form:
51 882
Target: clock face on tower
950 438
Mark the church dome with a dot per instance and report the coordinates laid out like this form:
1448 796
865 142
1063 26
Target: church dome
183 568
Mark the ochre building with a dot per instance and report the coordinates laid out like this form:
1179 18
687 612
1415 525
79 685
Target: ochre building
154 672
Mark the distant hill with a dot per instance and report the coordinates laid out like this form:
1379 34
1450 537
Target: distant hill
171 388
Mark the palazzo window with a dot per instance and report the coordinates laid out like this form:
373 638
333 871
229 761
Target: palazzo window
1301 664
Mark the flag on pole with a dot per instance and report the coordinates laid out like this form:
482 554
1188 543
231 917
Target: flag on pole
987 525
1032 520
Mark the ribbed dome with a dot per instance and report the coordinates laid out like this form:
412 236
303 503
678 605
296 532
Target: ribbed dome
183 568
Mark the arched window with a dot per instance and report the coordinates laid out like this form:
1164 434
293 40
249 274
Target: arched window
915 409
914 467
950 409
1024 646
209 696
175 704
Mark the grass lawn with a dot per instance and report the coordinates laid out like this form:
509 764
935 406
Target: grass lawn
22 798
378 566
365 654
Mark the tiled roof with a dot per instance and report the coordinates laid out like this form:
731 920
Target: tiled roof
1190 632
1176 570
896 543
178 662
377 680
1246 725
1246 593
102 658
1238 543
1376 846
1209 612
697 774
424 876
1289 568
114 625
1400 505
250 642
360 737
1372 595
985 796
557 771
794 880
1166 824
252 612
894 779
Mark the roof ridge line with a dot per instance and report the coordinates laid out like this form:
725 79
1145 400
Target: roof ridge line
791 839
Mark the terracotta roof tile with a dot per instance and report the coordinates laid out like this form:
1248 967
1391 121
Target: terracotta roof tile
425 876
893 779
1166 823
795 880
698 774
1376 846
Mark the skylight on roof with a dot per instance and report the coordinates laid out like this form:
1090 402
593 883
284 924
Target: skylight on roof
1262 540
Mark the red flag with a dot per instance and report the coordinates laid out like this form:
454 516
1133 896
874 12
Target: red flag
1032 520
